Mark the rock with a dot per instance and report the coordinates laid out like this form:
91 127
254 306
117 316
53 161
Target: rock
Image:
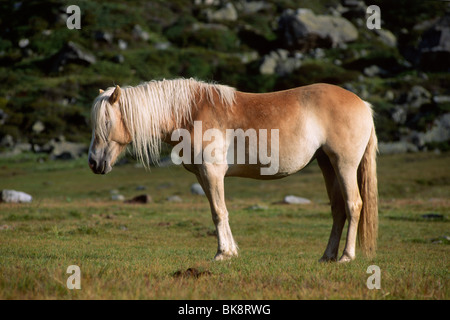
279 62
374 71
71 53
174 198
417 97
117 197
295 200
196 188
38 127
118 58
140 188
399 115
123 45
252 7
64 150
143 199
387 37
441 99
353 9
434 47
13 196
303 30
257 207
103 36
396 147
439 132
139 33
7 141
162 45
3 117
23 43
226 13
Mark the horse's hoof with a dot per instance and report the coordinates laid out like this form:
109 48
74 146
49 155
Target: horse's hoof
345 258
325 259
224 256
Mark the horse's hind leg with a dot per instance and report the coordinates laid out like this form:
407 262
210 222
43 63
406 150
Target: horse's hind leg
346 174
337 207
211 178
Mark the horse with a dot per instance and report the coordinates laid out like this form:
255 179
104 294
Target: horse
318 121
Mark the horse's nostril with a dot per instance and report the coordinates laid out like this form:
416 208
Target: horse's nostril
92 163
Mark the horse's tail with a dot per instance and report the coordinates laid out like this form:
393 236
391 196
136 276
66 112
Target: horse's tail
367 180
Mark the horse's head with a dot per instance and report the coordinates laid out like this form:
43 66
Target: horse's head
110 135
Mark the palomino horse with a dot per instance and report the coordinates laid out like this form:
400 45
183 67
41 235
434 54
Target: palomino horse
318 121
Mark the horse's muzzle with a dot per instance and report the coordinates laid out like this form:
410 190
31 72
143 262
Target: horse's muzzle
98 167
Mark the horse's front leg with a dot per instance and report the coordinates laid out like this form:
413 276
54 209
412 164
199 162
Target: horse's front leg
211 178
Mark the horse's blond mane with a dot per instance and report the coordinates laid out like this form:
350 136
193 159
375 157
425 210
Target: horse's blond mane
151 109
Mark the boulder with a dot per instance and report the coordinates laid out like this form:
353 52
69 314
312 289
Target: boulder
197 189
290 199
139 33
71 53
279 62
396 147
3 117
434 47
174 198
417 96
64 150
304 30
226 13
13 196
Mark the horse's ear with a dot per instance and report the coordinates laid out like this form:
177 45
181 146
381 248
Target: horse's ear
115 96
100 91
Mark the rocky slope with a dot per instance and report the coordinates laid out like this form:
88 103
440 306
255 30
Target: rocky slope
51 74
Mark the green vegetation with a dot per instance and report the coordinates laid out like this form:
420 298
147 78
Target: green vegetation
180 41
133 251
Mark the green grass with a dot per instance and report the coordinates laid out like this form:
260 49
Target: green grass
132 251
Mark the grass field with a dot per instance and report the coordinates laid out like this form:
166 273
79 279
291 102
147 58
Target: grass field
130 251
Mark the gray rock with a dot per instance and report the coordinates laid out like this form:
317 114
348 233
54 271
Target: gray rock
13 196
251 7
71 53
197 189
117 197
399 115
396 147
123 45
374 71
38 127
226 13
303 30
387 37
438 99
279 62
440 131
3 117
23 43
174 198
139 33
290 199
417 97
103 36
7 141
64 150
434 48
257 207
118 58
